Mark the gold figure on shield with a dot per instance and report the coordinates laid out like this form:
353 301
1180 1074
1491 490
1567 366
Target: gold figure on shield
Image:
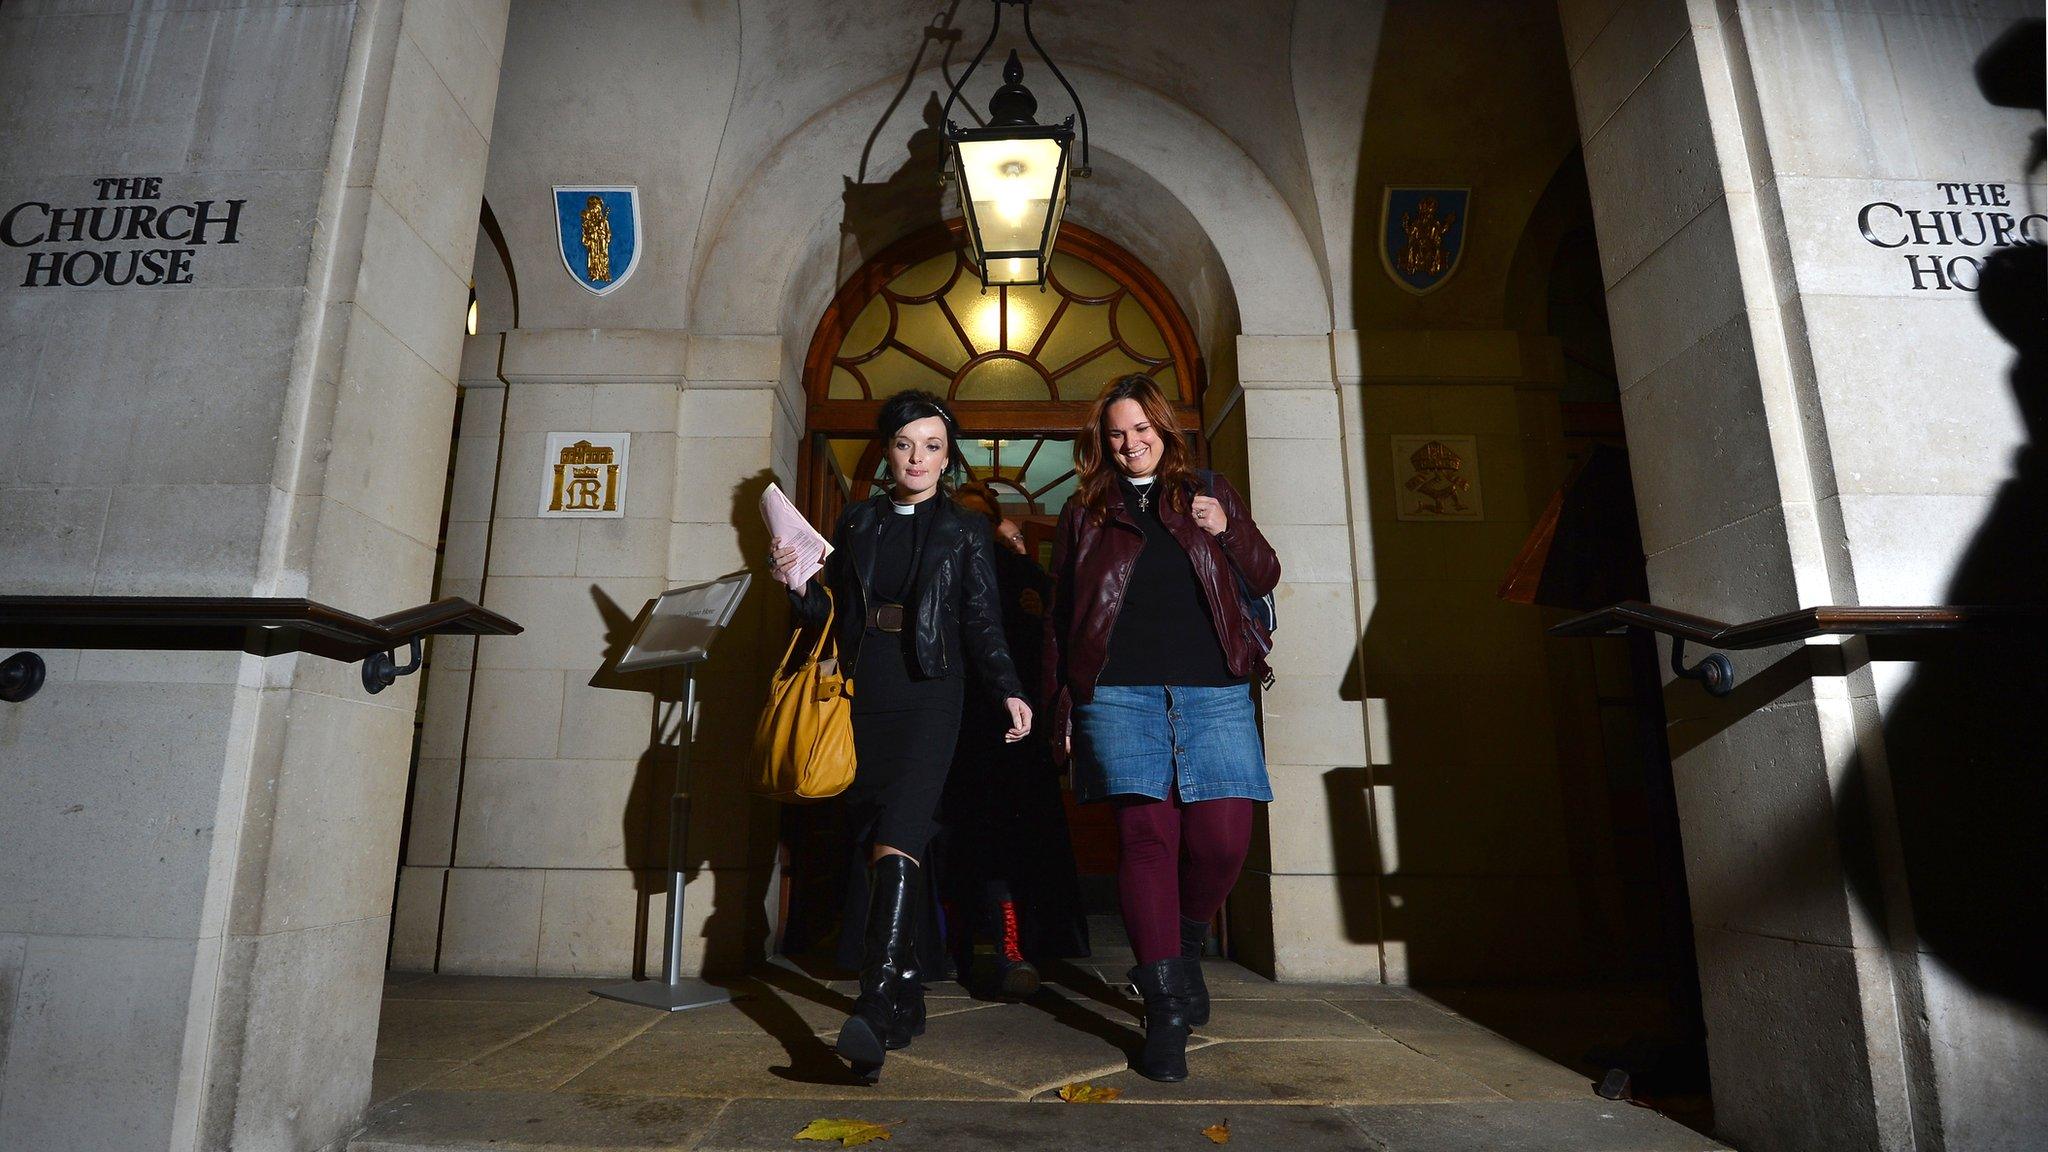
597 241
1423 254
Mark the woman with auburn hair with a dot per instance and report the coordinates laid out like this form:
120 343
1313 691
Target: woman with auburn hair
1149 658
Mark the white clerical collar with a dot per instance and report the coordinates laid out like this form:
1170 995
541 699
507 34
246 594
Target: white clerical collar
902 509
1142 481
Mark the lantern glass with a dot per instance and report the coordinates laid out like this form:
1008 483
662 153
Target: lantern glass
1013 189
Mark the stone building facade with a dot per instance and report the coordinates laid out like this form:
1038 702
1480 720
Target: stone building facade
1745 225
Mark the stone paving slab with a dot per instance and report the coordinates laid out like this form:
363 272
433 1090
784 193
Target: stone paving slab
1464 1046
468 1063
709 1064
550 1056
413 986
1306 1072
446 1121
1586 1126
460 1029
1049 1039
391 1075
762 1126
1284 1020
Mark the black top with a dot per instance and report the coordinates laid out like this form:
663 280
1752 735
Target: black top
896 552
1163 633
888 678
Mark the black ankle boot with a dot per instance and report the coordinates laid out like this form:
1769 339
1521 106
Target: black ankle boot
1165 987
1194 936
890 1008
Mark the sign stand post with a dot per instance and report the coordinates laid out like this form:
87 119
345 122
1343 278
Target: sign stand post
679 632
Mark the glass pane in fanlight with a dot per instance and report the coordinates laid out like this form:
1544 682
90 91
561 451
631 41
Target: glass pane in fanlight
924 327
892 372
1003 379
975 308
1169 382
846 454
1107 367
1013 184
844 386
925 278
868 329
1082 329
1030 307
1080 277
1138 330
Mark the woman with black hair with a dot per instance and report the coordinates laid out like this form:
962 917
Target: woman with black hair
914 589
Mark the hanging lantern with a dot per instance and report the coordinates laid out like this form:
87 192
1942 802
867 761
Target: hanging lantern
1012 173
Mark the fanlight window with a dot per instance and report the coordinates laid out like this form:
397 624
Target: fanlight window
933 326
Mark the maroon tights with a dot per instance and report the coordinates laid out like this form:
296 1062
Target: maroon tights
1179 860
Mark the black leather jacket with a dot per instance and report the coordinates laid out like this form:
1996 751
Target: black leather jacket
958 606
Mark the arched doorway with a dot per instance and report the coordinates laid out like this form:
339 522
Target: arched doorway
1021 367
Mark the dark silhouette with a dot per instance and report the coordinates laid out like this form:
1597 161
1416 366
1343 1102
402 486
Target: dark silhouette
1964 746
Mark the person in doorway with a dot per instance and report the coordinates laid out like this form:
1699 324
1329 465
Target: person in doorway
914 587
1014 898
1149 658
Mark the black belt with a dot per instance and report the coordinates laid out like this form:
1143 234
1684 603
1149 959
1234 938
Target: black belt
886 617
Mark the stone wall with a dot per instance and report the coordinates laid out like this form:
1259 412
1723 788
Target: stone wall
195 849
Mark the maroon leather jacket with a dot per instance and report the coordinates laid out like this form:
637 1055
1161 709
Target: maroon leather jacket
1091 565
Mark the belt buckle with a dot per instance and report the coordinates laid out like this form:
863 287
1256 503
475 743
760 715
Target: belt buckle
889 617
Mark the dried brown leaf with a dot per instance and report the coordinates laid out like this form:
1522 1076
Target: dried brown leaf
1218 1133
1089 1093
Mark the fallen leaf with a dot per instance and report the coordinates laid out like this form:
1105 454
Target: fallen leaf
1089 1093
849 1133
1218 1133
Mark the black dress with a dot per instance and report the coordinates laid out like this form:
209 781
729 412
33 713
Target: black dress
905 723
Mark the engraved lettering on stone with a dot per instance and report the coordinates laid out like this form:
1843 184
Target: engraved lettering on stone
1967 216
70 243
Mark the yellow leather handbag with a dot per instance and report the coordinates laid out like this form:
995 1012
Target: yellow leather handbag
803 749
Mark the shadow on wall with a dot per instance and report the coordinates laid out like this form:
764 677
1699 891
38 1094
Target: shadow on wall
725 825
1964 742
877 214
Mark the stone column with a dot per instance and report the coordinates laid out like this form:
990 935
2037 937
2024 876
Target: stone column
196 850
1809 425
1308 905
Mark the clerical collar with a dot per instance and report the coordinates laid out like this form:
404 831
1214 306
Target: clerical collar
902 509
1141 481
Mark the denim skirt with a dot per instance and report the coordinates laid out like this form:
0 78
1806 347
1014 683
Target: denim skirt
1143 739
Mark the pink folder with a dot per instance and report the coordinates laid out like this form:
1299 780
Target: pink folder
787 524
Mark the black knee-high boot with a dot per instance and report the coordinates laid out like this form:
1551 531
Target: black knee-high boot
1165 987
1194 935
890 1009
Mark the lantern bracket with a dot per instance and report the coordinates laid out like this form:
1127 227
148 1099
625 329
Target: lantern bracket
953 131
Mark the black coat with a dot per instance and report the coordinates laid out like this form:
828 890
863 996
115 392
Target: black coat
958 615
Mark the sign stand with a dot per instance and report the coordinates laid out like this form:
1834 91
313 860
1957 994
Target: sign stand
679 632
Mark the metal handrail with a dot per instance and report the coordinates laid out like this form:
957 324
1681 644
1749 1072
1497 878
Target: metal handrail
261 626
1716 672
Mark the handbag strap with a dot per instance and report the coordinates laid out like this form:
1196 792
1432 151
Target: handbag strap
818 645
